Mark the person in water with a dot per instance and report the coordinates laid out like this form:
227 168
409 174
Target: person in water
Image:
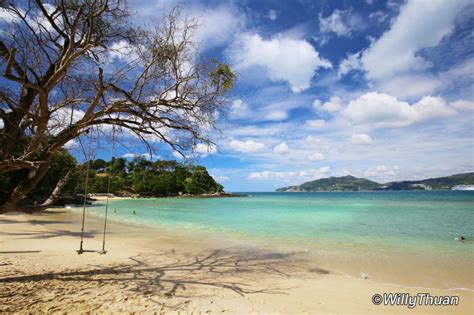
460 238
134 213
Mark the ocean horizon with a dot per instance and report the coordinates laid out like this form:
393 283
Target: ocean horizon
360 233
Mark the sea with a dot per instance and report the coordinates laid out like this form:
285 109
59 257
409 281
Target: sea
377 234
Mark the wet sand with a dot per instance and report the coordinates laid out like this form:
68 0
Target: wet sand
155 270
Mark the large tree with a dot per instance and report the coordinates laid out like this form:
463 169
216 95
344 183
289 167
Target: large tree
68 66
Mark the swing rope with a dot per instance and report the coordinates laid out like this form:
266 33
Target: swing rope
88 157
112 152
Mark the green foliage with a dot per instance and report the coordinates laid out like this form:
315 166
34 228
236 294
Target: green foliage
222 75
343 183
351 183
201 182
158 179
61 162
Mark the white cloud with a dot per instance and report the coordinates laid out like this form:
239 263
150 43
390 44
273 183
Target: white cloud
352 62
420 24
220 178
334 23
239 108
277 115
410 85
204 150
315 124
333 105
381 171
8 17
463 105
314 157
122 50
283 58
311 140
281 148
217 26
291 175
178 155
383 110
248 146
379 16
62 118
72 144
272 15
146 156
361 138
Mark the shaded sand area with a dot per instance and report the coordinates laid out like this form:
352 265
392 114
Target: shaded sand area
151 270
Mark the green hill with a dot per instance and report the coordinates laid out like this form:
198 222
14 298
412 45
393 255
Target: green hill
343 183
446 182
351 183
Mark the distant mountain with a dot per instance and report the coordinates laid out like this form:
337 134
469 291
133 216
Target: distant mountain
446 182
351 183
343 183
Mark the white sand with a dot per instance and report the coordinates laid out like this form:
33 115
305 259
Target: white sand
148 270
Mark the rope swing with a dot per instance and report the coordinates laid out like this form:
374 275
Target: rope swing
89 157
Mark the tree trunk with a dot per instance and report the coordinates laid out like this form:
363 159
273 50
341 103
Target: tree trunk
57 190
24 187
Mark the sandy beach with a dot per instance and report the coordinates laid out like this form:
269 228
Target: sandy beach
151 270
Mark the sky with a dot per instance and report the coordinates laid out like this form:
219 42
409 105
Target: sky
370 88
377 89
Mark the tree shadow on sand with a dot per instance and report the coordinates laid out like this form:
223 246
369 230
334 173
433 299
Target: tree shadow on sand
51 234
174 279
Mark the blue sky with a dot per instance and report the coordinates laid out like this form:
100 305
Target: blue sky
377 89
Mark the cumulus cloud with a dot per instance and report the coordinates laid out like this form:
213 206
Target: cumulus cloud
420 24
276 115
381 171
352 62
410 85
333 105
383 110
281 148
217 25
62 118
314 157
283 59
146 156
248 146
122 50
315 123
220 178
239 108
334 23
7 17
291 175
463 105
272 15
204 150
72 144
378 16
361 138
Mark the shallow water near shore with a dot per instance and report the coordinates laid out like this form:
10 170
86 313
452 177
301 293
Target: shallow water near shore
404 237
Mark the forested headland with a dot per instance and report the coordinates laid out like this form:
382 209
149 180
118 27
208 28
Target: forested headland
137 177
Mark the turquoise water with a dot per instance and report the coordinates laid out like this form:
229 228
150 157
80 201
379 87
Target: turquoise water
409 221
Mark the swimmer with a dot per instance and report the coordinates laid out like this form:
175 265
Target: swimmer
134 213
115 210
460 238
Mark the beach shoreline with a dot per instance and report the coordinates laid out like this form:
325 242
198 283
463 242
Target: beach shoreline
149 269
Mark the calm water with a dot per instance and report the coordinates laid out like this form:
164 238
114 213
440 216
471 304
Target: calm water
386 221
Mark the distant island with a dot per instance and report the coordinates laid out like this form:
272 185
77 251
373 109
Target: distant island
350 183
